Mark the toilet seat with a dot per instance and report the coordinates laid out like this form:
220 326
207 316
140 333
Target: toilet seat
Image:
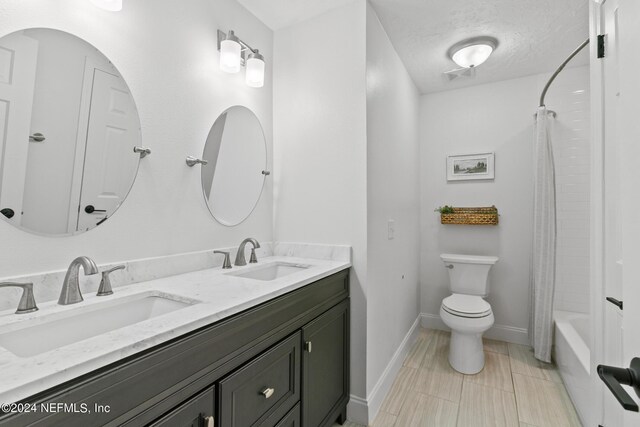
470 306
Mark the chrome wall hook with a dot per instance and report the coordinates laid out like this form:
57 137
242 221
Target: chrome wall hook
192 161
143 151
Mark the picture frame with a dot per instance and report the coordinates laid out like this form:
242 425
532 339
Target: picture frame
471 167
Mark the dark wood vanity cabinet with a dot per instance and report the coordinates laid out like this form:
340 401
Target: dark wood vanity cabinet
263 391
283 363
326 367
199 411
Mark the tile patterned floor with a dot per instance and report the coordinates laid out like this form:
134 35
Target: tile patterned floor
513 389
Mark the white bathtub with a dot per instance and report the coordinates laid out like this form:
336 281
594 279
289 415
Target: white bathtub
573 357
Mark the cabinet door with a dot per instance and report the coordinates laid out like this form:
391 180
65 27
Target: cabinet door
292 419
195 412
325 363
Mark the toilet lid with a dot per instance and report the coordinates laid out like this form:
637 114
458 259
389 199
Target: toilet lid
466 305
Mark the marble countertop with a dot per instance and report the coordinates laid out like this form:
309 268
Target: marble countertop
212 293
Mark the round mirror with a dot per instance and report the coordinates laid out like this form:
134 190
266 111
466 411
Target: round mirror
68 126
236 155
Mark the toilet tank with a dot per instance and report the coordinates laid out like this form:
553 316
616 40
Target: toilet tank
469 274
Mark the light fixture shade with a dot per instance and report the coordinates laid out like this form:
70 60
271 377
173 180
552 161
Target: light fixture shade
230 54
110 5
255 70
472 52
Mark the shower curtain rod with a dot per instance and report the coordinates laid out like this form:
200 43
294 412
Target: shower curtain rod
560 68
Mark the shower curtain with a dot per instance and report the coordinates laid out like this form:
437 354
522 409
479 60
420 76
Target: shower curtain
544 240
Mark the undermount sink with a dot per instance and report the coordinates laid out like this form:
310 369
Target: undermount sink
271 271
39 335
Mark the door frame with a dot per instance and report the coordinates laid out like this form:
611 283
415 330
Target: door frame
81 143
597 225
84 116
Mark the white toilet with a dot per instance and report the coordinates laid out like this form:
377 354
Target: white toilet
465 311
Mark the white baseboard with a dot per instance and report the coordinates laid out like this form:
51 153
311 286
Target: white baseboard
382 387
432 321
357 410
497 332
364 411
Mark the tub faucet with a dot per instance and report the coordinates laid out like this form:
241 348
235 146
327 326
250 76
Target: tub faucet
240 259
71 286
27 302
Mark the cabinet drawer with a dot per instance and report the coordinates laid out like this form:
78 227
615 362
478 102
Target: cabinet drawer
264 389
195 412
292 419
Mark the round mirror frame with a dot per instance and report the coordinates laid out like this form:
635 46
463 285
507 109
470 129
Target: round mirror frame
265 172
41 138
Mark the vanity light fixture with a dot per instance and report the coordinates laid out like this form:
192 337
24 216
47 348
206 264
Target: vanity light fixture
234 53
110 5
472 52
254 75
230 53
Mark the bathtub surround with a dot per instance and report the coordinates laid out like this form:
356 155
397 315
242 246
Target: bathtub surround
345 166
573 357
179 91
543 268
498 117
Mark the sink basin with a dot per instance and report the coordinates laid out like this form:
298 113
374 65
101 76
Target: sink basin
271 271
40 335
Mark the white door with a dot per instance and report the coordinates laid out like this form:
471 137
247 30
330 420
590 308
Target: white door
18 58
110 165
620 21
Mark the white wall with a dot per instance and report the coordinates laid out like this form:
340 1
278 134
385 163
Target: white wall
493 117
167 54
392 194
320 159
346 161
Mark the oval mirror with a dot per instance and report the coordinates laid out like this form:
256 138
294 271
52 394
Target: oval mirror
68 125
236 153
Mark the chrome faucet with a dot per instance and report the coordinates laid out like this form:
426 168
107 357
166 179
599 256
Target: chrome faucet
27 302
240 259
71 286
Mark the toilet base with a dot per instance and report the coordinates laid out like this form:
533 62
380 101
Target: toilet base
466 353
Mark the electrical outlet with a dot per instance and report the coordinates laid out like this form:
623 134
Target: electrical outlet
391 229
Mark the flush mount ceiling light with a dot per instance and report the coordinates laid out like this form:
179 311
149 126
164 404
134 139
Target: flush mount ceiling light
472 52
234 53
110 5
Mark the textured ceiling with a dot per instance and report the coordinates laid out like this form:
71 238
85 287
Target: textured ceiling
535 36
283 13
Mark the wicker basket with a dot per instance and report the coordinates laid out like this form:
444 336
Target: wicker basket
471 216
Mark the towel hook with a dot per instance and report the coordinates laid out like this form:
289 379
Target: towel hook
192 161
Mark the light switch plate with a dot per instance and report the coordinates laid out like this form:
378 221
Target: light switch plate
391 229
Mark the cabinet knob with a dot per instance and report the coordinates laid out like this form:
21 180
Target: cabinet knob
308 346
208 421
267 392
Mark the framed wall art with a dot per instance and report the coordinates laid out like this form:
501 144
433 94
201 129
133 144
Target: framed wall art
471 167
